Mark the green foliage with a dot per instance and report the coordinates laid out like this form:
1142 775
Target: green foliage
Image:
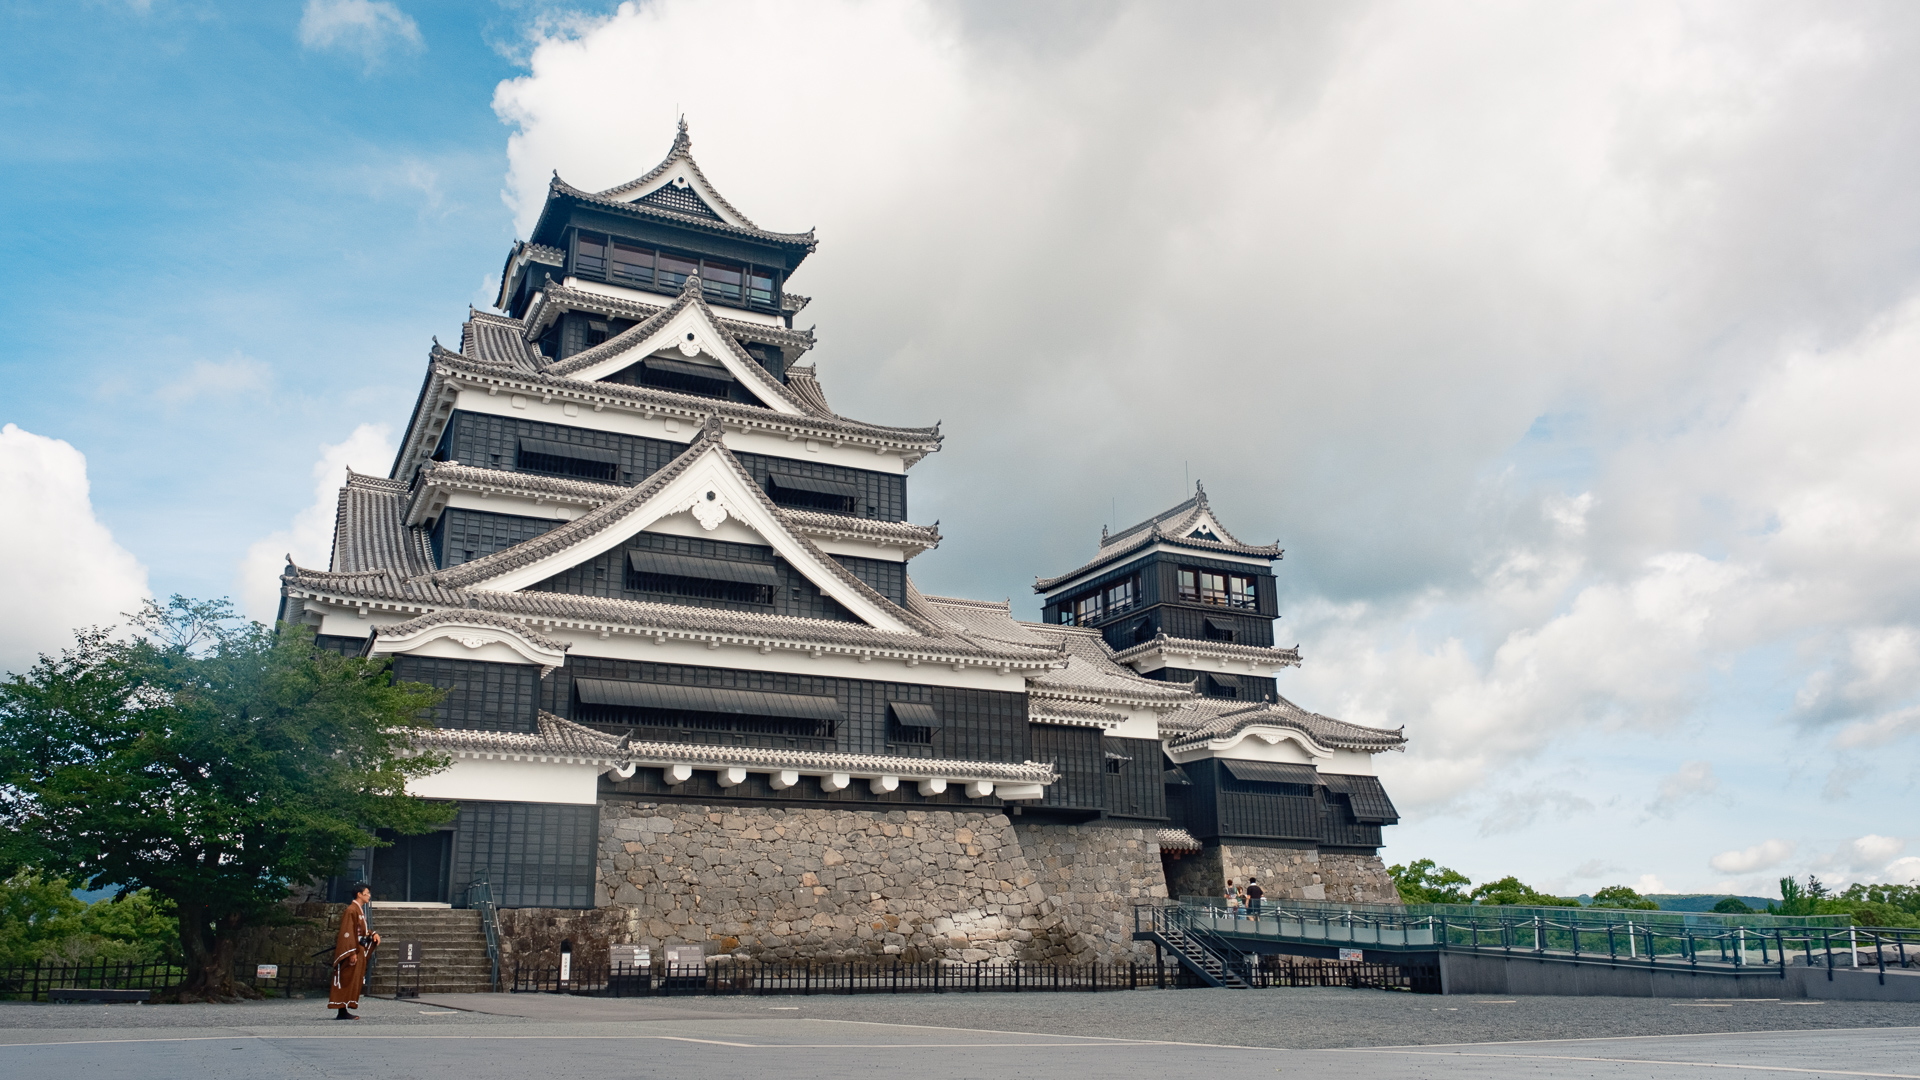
1732 905
1620 896
212 761
1795 900
1422 882
42 922
1510 891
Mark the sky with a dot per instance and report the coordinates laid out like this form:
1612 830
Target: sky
1570 350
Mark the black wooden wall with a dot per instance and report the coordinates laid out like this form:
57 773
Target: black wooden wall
606 575
1135 787
533 854
481 696
978 725
465 535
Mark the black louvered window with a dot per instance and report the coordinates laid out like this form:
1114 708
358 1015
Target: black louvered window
734 580
566 459
813 493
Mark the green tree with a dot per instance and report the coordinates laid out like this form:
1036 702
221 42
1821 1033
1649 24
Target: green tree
1510 890
41 921
1422 882
1732 905
214 762
1620 896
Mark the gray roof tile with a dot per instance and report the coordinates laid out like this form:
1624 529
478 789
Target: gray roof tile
1206 719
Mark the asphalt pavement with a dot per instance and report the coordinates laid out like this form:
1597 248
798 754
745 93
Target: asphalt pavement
1324 1033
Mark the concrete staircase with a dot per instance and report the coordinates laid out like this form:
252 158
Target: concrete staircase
453 951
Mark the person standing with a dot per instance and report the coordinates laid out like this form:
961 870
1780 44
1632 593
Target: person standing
1233 895
1254 893
352 953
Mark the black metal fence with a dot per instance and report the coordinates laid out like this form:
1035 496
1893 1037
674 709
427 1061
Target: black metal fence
731 979
32 982
1275 969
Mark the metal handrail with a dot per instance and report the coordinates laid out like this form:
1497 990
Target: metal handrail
1648 937
480 897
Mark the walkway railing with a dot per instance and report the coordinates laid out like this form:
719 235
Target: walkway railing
1654 938
750 978
480 898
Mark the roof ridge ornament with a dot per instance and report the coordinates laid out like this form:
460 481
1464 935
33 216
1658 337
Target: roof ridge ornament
682 142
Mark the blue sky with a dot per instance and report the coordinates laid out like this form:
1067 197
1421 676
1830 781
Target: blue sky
1568 350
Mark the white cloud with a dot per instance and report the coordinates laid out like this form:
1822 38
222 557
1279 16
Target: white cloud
309 539
60 568
1570 348
1648 884
1761 856
1694 779
1904 871
367 28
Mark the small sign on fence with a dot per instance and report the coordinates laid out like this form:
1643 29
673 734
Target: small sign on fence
267 971
1354 955
633 956
686 955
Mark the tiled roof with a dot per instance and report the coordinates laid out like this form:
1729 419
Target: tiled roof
1212 650
987 619
561 738
1171 528
933 637
794 303
761 382
495 339
806 386
553 737
612 514
1207 719
471 615
1177 840
1093 671
907 768
369 530
559 187
682 150
1051 710
556 298
451 364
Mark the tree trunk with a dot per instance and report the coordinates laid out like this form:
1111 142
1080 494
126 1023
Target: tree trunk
207 939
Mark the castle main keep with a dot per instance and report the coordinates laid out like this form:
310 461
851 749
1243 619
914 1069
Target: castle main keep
693 695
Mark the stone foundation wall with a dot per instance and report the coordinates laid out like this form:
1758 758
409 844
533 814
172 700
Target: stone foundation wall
797 884
1285 874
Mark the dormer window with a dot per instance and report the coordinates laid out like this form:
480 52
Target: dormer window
566 459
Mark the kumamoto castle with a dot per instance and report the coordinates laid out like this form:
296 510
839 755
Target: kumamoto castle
694 697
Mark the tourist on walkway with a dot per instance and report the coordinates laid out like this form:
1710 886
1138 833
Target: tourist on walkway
1233 895
352 953
1254 893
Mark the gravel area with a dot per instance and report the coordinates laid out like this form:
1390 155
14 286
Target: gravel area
1299 1018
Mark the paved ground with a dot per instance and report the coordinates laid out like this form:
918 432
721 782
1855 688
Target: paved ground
1333 1034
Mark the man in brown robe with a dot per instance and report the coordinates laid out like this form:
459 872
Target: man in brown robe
352 951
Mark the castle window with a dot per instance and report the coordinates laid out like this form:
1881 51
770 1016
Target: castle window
1216 632
590 254
1086 610
1117 763
596 333
721 280
911 723
760 286
566 459
691 576
631 264
1213 587
674 271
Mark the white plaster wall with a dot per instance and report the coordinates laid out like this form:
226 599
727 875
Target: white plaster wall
493 780
633 647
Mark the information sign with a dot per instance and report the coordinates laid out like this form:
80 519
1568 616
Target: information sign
1354 955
